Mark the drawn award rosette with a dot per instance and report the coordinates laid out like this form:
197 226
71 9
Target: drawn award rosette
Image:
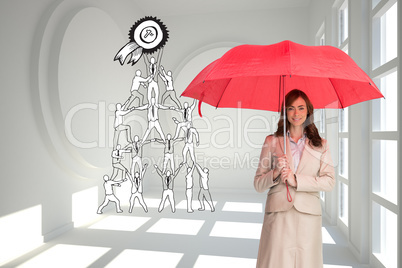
147 35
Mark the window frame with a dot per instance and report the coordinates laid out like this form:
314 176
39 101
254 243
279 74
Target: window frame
343 222
380 69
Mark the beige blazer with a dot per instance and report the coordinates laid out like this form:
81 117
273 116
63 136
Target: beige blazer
315 173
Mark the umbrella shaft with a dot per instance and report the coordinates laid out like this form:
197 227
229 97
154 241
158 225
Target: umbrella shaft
284 115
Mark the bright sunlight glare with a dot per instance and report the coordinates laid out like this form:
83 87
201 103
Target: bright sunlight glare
326 237
67 256
84 206
176 226
236 230
206 261
242 207
120 223
24 225
145 259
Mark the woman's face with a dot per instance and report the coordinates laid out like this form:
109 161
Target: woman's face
297 112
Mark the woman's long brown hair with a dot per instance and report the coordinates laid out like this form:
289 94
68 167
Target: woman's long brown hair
309 127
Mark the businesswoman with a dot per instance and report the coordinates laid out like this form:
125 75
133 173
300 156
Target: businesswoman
291 232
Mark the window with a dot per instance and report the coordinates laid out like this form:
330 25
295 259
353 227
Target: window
343 157
322 40
343 120
321 123
384 236
384 173
343 203
320 36
384 134
374 3
343 23
320 114
384 112
384 34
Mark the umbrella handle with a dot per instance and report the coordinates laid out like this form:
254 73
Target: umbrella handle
199 104
199 108
289 196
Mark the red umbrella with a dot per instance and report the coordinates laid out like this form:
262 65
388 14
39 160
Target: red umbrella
256 75
259 76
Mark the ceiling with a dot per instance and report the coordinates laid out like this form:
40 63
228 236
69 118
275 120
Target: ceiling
189 7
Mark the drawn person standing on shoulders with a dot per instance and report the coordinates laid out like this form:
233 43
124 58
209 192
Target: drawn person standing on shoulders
136 153
137 82
189 144
153 118
153 69
169 151
121 111
187 112
117 156
170 92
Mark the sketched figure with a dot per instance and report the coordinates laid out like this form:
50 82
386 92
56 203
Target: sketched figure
168 183
170 92
137 188
138 81
189 188
169 151
120 112
117 156
153 119
109 194
187 112
136 153
152 67
189 144
204 193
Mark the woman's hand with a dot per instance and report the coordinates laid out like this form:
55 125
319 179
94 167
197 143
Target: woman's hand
287 175
281 163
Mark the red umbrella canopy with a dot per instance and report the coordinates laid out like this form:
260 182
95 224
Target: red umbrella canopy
256 76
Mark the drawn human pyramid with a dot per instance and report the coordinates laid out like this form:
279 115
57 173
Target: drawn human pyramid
135 174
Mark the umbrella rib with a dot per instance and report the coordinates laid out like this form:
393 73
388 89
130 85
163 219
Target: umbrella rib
337 95
223 92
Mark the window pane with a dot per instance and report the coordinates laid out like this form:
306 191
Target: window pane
384 235
343 23
384 166
343 157
389 34
343 120
322 40
384 112
385 35
343 203
346 50
374 3
319 118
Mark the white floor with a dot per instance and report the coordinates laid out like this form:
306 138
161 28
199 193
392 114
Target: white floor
227 237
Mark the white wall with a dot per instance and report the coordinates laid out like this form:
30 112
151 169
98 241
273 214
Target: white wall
196 41
57 57
40 167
